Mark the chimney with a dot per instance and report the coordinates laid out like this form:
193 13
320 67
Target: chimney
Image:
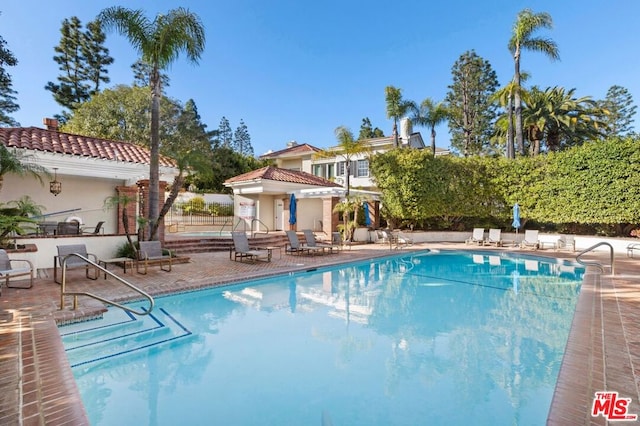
291 144
406 129
51 123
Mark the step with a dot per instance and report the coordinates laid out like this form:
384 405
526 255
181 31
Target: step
119 333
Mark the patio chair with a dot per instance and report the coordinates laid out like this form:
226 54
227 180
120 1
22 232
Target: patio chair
632 248
566 242
400 240
494 238
530 239
336 240
477 237
98 229
152 252
72 253
242 250
311 241
68 228
294 246
8 270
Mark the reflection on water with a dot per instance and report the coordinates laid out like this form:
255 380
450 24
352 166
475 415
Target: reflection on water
446 338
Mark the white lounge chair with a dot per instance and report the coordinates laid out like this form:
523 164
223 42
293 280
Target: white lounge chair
566 242
477 237
494 238
530 239
632 248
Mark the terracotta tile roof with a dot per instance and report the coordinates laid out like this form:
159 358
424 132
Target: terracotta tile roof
304 148
53 141
282 175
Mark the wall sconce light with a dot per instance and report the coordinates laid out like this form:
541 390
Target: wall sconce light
55 187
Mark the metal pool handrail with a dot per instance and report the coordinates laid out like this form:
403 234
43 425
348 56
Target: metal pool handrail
596 264
75 294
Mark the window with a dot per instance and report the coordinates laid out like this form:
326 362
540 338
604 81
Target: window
362 168
340 167
319 170
331 171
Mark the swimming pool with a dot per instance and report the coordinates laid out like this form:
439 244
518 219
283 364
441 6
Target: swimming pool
431 338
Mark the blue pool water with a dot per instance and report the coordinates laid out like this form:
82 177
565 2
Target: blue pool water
447 338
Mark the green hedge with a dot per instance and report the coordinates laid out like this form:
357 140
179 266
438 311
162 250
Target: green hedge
594 186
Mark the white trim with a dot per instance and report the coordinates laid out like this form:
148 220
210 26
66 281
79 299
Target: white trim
74 165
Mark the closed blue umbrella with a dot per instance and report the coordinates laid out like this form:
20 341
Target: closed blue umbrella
367 219
293 208
516 217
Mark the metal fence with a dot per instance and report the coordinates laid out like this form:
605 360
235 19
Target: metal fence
197 212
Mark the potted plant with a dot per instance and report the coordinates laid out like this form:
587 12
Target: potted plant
15 220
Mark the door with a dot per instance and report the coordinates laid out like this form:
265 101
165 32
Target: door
278 215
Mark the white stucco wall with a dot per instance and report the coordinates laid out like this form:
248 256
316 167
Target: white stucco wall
87 195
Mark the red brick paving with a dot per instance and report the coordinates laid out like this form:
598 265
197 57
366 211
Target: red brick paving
37 386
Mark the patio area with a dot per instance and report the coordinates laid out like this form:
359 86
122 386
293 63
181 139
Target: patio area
603 352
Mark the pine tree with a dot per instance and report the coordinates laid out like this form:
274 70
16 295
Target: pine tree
619 104
82 58
225 135
472 114
7 94
367 131
96 55
242 140
141 73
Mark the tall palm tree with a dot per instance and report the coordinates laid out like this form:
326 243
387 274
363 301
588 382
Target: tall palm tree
522 38
430 114
504 97
348 148
159 42
396 108
19 163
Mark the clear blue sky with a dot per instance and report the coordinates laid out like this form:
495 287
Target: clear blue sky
296 70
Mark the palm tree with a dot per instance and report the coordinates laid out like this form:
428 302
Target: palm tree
396 108
159 42
504 97
430 114
559 119
348 148
19 163
527 23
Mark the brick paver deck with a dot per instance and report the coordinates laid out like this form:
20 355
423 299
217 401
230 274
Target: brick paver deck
37 386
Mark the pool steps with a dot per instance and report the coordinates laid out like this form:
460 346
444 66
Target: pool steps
118 333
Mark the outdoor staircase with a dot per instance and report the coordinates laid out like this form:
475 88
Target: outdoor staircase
117 333
203 244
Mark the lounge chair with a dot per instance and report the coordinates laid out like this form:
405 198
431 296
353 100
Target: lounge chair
93 230
336 240
8 270
241 249
566 242
311 241
294 246
530 239
632 248
152 252
477 237
494 238
75 255
400 240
